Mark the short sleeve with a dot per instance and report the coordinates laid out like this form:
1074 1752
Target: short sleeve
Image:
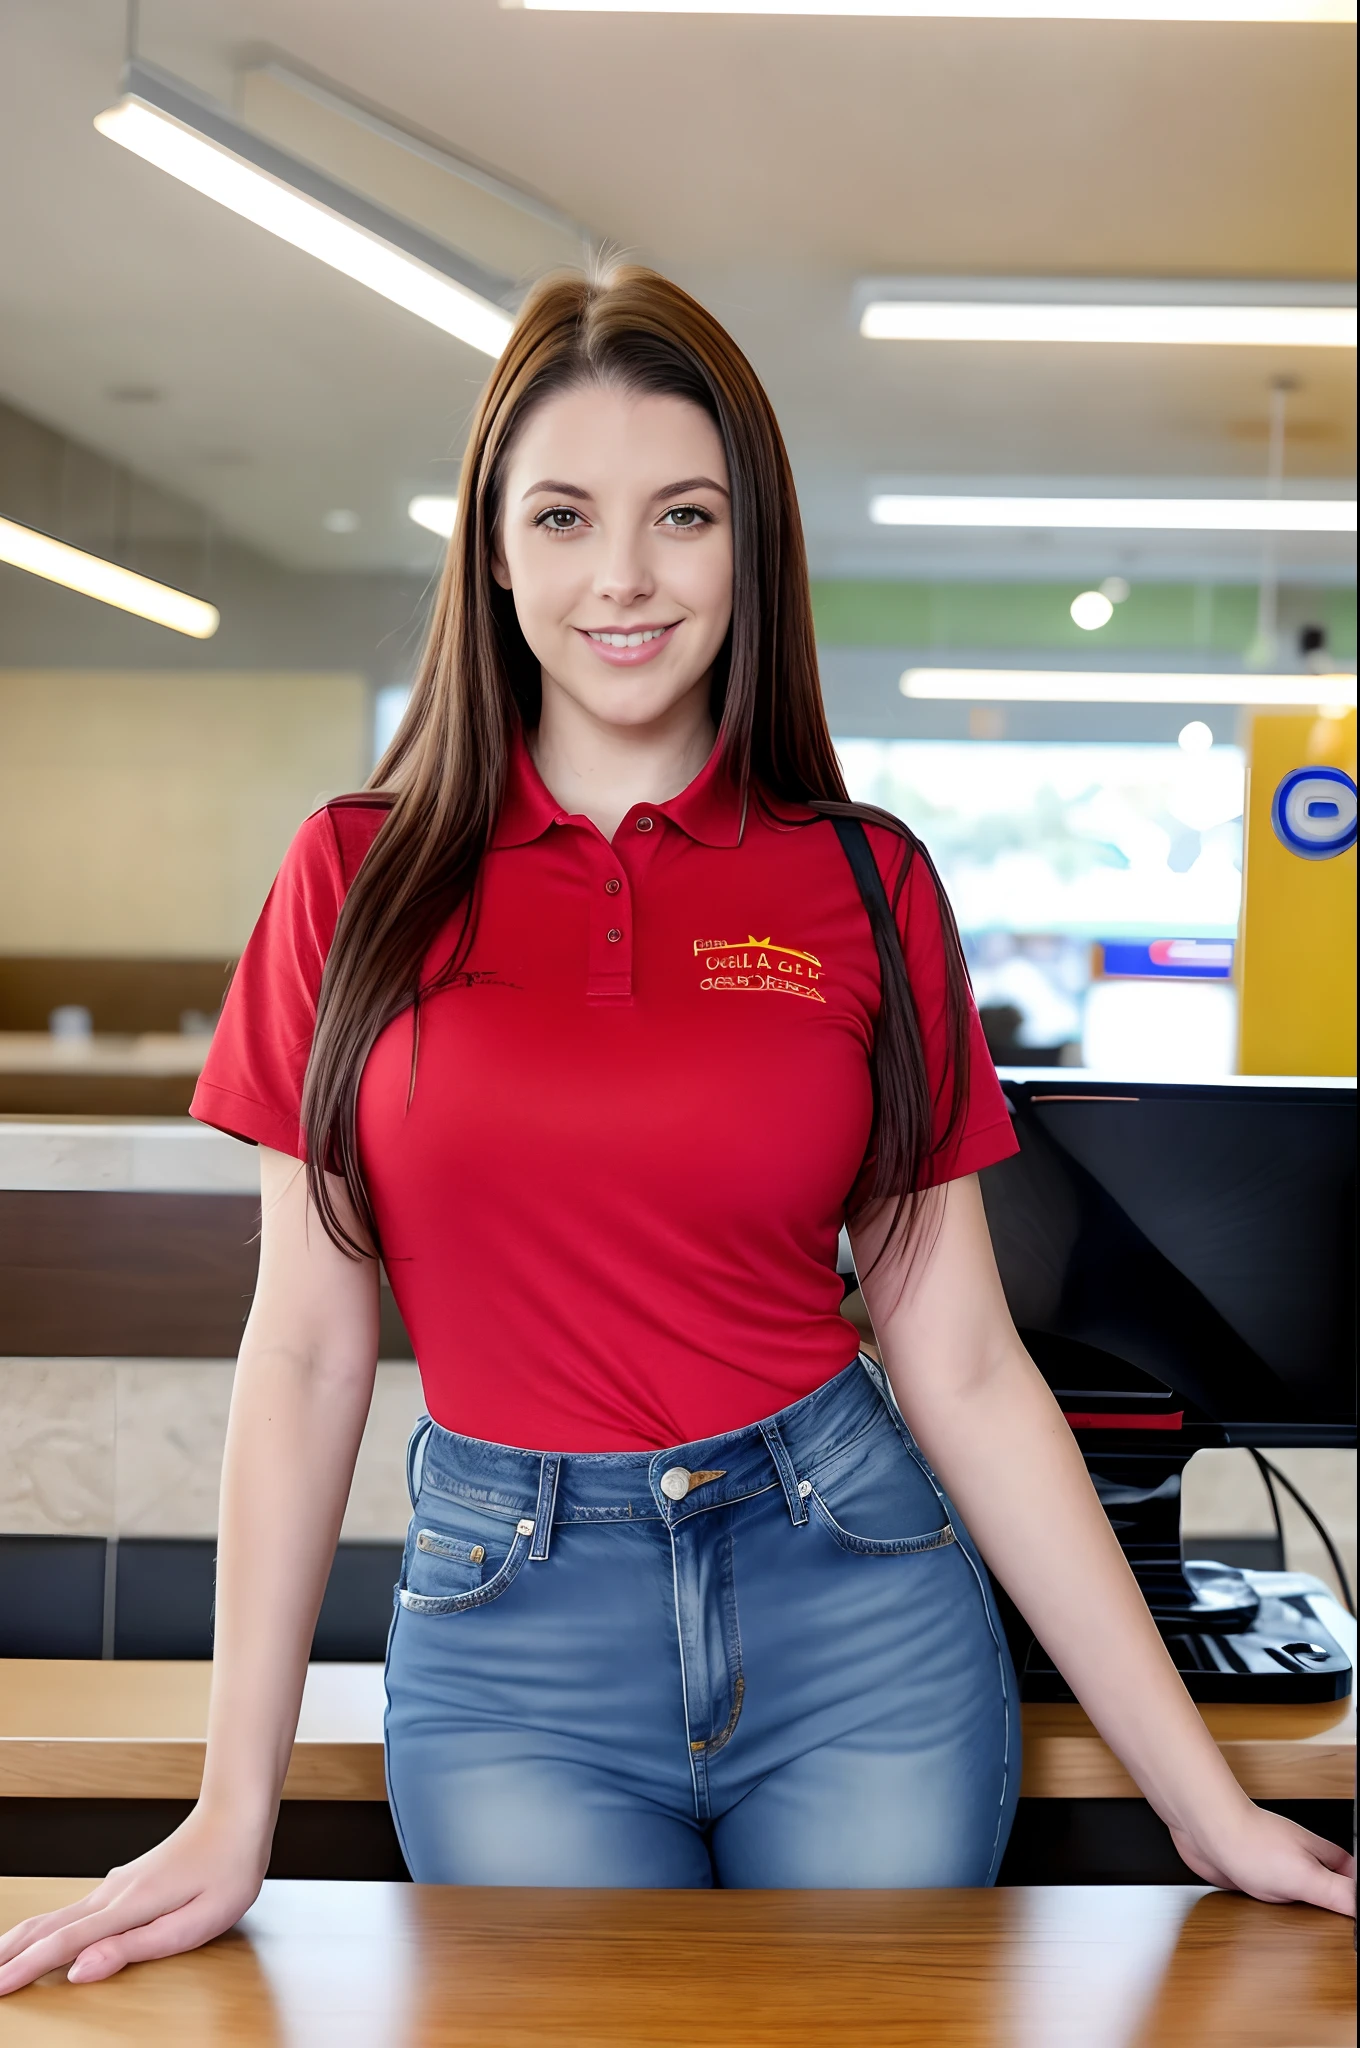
251 1084
983 1134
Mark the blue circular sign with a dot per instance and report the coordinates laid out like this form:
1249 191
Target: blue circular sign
1314 812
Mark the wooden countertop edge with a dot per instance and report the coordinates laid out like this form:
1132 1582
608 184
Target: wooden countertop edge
1055 1767
1080 1767
168 1767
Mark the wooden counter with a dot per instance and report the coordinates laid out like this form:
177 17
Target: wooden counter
317 1965
122 1730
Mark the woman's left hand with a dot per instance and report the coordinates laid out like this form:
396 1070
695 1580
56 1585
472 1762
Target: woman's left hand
1271 1858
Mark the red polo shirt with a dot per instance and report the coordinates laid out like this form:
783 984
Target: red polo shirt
610 1212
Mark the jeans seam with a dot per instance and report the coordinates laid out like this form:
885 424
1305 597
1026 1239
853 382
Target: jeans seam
909 1443
735 1666
684 1680
991 1630
870 1546
387 1734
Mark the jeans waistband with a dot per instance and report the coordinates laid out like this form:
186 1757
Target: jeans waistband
547 1488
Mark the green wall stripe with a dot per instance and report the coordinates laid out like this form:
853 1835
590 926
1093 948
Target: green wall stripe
1217 618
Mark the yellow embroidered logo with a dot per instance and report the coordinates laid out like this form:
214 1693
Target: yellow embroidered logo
753 963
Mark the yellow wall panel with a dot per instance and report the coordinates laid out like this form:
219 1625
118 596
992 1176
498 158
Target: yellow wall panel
1296 960
146 813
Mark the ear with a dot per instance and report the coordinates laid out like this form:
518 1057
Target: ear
500 568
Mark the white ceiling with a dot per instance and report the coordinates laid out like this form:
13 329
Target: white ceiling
766 163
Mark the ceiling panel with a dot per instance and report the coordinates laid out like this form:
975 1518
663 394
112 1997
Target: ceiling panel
766 163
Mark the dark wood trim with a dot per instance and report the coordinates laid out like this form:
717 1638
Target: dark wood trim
91 1275
125 1275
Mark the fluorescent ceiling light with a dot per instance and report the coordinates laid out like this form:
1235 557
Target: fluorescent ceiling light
1106 686
202 146
1172 312
438 514
1174 326
1161 515
1022 10
43 556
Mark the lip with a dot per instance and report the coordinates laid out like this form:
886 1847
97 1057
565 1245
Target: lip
630 657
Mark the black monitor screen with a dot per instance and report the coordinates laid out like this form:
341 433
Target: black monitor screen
1195 1237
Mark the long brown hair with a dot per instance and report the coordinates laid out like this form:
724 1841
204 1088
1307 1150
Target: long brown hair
442 778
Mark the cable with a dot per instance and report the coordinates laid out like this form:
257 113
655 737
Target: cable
1269 1472
1268 1482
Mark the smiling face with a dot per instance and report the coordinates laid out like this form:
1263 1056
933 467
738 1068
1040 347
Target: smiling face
616 541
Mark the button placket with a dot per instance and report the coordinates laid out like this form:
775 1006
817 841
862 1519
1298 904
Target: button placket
609 976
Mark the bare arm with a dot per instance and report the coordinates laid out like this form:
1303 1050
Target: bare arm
987 1421
303 1385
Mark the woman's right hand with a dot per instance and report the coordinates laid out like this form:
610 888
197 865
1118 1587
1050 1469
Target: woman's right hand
190 1887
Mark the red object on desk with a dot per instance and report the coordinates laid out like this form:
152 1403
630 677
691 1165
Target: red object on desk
1163 1421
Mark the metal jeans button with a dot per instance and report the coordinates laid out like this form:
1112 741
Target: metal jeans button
675 1482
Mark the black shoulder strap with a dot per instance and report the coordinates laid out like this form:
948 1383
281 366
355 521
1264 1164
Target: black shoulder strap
855 843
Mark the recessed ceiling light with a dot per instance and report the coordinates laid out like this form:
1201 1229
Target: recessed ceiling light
439 515
107 581
1164 515
1116 588
341 520
1109 686
202 145
1091 611
1129 312
1195 738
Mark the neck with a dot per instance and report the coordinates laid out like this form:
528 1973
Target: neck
599 770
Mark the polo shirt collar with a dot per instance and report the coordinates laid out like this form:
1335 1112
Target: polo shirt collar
711 809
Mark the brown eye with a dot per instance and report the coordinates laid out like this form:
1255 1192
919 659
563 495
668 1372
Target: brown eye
559 519
687 517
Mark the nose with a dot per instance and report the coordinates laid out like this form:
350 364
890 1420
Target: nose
623 576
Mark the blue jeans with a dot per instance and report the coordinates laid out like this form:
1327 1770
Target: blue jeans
771 1658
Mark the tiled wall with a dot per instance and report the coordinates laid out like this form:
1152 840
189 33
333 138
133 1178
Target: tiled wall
133 1447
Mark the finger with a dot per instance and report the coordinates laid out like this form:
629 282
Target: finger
1312 1884
53 1950
1331 1853
1334 1892
168 1936
18 1937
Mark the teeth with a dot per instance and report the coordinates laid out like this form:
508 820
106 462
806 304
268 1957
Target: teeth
628 639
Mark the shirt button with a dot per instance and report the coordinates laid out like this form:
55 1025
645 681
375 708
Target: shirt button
675 1482
645 825
614 935
612 888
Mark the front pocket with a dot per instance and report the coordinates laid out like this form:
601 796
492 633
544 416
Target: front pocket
876 1499
445 1572
881 1546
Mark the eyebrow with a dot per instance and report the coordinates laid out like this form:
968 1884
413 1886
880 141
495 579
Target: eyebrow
688 483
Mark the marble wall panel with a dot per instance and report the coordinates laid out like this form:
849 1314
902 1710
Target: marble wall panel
378 1507
133 1447
171 1426
56 1446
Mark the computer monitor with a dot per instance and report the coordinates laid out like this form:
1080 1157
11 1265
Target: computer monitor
1202 1233
1179 1259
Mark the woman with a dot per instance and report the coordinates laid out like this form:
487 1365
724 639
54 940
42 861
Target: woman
594 1018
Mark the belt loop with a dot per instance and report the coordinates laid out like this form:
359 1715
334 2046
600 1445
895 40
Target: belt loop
783 1465
415 1457
547 1498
